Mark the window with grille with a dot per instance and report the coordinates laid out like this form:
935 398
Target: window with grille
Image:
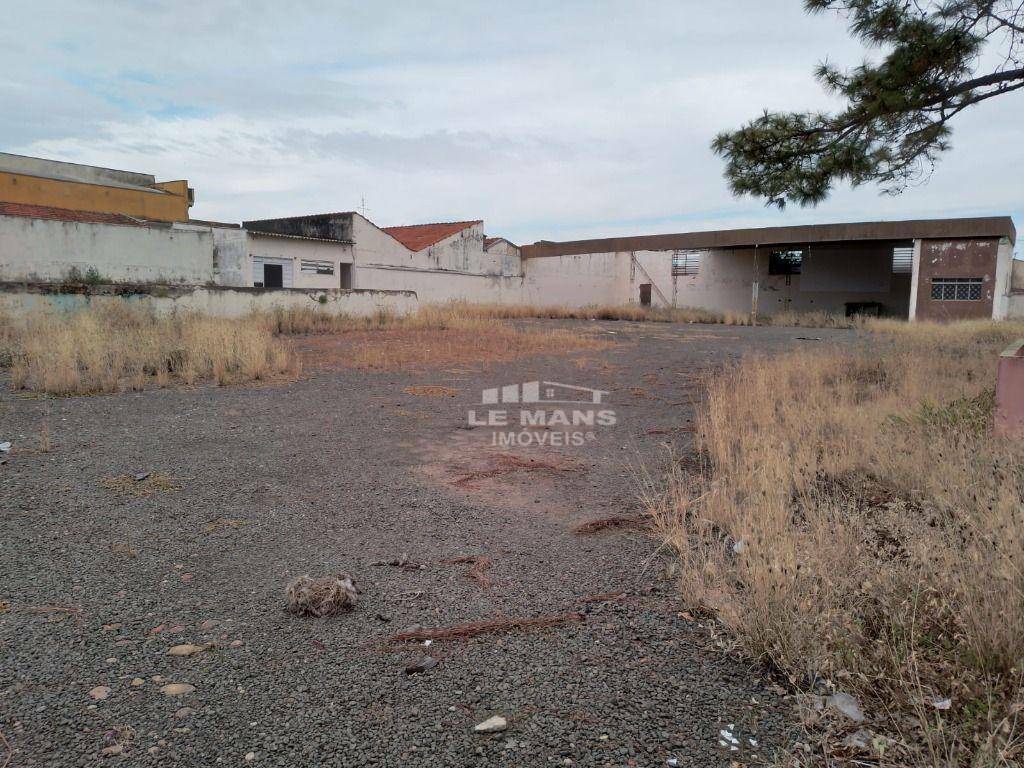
312 267
902 261
956 288
785 262
686 262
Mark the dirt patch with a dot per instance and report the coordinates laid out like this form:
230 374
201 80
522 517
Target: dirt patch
466 465
388 349
434 390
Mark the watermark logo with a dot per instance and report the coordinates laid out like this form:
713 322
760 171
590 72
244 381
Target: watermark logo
543 413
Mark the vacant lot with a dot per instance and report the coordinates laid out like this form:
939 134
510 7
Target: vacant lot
106 568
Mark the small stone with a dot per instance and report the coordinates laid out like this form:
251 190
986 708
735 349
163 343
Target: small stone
153 750
115 749
184 712
186 649
209 624
250 756
99 693
112 660
423 665
137 681
157 678
495 724
236 643
177 689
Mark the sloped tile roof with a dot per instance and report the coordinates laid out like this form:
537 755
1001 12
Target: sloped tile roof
66 214
416 237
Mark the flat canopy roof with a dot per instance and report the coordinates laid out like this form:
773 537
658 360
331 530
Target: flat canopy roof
989 226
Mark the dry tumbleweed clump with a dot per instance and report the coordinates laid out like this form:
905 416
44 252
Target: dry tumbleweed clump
321 597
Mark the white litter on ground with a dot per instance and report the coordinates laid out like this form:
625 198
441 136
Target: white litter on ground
728 739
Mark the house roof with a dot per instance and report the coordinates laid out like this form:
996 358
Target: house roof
67 214
991 226
416 237
489 241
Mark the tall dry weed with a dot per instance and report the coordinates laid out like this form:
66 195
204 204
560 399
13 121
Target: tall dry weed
113 347
857 521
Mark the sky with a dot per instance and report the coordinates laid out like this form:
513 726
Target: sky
548 120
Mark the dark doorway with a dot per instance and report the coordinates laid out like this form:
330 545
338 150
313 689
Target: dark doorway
273 276
645 294
345 272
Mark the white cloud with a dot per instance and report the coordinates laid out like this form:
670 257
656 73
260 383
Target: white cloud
547 120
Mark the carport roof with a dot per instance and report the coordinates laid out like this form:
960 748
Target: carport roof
989 226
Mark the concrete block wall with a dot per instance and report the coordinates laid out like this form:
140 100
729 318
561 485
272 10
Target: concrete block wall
47 250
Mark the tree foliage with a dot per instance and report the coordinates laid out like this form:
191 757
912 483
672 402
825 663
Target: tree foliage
939 58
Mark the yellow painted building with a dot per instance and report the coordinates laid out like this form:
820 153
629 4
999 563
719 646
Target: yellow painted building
35 181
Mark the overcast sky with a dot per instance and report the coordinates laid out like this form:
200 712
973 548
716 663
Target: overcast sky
549 120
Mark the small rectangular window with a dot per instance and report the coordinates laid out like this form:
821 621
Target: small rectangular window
902 261
785 262
686 262
313 267
956 288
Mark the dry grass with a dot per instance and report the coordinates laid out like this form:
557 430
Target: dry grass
466 315
116 347
477 570
616 521
857 521
149 484
320 597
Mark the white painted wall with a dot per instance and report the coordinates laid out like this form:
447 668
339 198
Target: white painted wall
239 256
219 301
45 250
511 262
575 281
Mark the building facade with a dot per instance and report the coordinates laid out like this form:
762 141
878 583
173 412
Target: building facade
70 186
940 269
62 222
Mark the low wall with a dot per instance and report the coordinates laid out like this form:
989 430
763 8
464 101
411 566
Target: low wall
18 298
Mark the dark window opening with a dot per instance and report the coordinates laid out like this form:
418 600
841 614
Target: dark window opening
956 288
273 276
785 262
345 273
645 294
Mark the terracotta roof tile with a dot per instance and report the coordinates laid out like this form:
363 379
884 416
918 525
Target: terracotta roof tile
416 237
66 214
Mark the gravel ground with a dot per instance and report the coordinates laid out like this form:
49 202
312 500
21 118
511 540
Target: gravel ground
252 486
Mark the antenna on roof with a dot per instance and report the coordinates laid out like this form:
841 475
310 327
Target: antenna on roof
362 206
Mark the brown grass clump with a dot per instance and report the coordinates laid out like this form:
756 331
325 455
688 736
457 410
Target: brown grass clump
108 348
487 627
478 567
616 521
506 463
857 521
321 597
148 484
